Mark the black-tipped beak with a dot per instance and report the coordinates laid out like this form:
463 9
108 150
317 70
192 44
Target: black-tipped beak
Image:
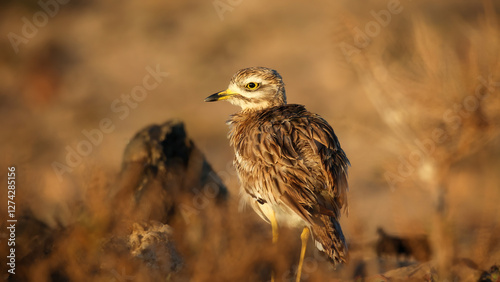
223 95
213 97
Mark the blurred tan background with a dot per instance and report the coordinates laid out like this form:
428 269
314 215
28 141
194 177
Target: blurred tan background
388 75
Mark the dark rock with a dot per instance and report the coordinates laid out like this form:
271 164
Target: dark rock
417 247
161 168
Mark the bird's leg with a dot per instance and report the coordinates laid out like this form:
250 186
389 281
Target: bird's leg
274 226
304 237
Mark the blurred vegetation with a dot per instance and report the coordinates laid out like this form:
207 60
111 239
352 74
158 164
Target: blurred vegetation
410 87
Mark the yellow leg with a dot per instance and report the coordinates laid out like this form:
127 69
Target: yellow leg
304 236
274 225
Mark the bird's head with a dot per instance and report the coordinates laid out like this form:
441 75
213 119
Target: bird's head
253 88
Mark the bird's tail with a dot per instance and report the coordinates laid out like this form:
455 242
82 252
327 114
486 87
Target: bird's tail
328 238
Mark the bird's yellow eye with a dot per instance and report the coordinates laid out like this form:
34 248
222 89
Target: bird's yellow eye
252 85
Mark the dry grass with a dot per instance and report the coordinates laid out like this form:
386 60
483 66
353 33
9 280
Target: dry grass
416 109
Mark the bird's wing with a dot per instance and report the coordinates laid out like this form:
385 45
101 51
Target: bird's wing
310 168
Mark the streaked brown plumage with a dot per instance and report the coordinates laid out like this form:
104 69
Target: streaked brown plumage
289 161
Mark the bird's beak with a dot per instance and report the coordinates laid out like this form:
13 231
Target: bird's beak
223 95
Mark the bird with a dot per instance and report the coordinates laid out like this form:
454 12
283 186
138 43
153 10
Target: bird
291 167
